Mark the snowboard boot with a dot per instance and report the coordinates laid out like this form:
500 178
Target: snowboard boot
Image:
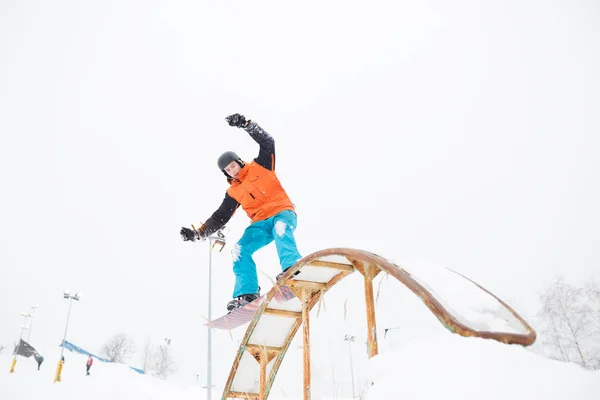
241 301
283 272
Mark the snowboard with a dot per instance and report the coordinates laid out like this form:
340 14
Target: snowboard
245 314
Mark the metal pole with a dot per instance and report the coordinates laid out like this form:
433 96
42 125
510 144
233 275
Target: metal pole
30 326
62 349
209 350
333 394
350 339
24 326
32 314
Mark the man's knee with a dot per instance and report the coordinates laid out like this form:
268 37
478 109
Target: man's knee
241 251
283 230
236 252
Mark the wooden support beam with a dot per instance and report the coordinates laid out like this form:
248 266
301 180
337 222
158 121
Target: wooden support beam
306 296
263 379
333 265
282 313
314 299
263 355
369 272
307 292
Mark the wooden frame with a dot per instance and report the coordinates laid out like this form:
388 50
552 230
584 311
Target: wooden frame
369 265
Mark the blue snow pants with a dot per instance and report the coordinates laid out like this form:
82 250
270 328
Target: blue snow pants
279 228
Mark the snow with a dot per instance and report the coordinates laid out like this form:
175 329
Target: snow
427 364
235 252
444 366
272 330
464 300
472 368
280 228
317 274
114 381
469 136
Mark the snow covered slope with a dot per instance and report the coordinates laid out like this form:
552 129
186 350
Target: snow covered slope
445 366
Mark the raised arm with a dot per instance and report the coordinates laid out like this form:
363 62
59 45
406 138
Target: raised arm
266 154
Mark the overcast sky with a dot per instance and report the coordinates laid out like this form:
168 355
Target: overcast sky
464 134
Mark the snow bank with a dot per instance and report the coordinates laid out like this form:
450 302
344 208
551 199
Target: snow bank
451 366
106 381
447 366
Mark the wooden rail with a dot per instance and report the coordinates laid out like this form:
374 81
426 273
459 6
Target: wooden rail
310 292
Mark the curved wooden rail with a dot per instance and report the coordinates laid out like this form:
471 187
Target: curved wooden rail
320 271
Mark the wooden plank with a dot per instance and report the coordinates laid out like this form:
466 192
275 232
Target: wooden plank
262 348
333 265
242 395
282 313
312 286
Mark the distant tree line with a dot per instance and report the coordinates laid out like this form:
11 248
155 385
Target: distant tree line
156 360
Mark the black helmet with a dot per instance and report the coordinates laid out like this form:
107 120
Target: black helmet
226 158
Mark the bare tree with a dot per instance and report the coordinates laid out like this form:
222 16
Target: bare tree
147 356
163 361
592 290
568 324
118 348
2 347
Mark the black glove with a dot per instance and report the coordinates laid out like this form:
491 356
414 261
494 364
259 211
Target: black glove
236 120
188 234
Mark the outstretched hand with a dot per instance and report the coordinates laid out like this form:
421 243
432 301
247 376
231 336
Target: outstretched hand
237 120
189 234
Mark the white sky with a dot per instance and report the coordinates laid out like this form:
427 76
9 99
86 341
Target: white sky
460 133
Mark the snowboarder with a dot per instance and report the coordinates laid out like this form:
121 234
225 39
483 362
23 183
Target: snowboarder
88 365
257 189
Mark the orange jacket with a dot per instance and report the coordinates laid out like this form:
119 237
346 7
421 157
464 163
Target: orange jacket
257 188
259 192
